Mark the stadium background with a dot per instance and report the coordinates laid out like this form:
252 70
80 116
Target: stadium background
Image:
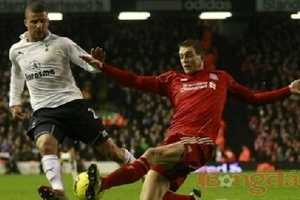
258 46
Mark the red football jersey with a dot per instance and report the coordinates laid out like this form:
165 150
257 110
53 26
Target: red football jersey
198 99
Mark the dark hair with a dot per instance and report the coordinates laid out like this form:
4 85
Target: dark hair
35 7
196 44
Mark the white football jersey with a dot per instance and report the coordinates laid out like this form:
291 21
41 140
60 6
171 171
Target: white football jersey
45 66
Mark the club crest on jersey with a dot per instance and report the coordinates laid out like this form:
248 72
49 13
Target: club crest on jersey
213 77
35 65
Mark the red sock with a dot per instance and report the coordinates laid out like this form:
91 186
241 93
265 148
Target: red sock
174 196
128 173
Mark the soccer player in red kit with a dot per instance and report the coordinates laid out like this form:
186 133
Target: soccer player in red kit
198 97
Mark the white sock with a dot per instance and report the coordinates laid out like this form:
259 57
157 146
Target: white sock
129 158
52 169
74 165
74 170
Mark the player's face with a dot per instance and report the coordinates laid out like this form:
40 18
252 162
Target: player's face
37 26
190 61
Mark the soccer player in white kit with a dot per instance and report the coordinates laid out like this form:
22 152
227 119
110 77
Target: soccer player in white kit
42 59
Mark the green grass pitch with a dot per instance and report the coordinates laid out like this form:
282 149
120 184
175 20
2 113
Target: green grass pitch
284 187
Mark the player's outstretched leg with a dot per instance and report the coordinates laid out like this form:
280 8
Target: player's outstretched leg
48 193
92 191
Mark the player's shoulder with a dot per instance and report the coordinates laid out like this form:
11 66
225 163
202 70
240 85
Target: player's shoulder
168 75
60 38
18 44
16 47
60 41
220 73
171 73
216 71
21 43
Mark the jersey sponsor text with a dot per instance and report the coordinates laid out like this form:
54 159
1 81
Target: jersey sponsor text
40 74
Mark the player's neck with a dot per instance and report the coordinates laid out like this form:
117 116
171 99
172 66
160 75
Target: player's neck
32 39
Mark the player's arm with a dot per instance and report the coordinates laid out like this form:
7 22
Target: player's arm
16 88
73 51
262 98
127 79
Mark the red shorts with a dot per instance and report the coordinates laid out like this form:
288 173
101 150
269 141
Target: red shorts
198 151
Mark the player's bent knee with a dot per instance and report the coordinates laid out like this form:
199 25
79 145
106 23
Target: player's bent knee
149 153
47 144
152 155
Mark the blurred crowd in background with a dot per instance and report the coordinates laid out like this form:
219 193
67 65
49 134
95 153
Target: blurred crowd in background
264 55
